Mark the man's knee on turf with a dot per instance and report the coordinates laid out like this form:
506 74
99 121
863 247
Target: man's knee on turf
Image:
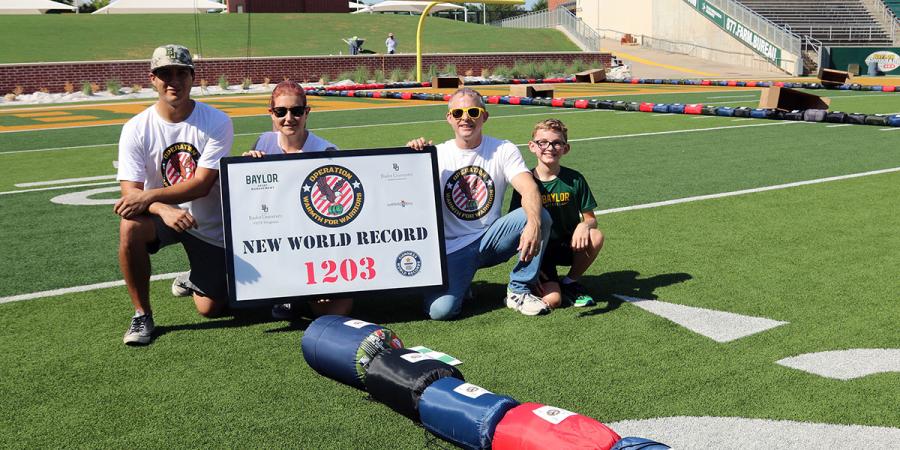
596 240
446 307
136 232
208 307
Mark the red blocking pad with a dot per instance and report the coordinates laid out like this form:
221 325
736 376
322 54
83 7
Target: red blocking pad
646 107
532 426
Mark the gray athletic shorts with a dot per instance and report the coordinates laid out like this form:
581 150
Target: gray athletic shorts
207 261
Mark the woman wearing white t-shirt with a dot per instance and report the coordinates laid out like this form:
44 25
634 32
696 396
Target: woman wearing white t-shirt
289 111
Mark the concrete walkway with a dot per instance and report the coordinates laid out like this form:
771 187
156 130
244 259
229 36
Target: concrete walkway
648 63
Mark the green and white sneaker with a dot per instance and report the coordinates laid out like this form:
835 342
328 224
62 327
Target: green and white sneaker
140 330
577 295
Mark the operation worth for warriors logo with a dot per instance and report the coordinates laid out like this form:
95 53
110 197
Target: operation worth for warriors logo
469 193
332 196
179 163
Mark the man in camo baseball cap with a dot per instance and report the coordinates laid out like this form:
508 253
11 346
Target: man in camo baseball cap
171 55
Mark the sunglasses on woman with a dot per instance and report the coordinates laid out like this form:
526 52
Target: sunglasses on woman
296 111
473 112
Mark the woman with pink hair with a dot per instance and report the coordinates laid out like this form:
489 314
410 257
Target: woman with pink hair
289 111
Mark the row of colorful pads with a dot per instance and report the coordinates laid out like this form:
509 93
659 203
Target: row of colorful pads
571 79
435 394
809 115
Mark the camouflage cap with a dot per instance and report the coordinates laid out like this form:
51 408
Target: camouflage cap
171 55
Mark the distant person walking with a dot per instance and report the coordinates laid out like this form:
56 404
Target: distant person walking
391 44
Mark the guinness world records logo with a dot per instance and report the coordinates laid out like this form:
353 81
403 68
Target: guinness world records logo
408 263
332 196
469 193
179 163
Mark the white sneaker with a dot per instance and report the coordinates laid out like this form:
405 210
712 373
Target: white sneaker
526 303
140 330
282 311
181 286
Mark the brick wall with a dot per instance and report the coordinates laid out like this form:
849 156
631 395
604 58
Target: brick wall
53 76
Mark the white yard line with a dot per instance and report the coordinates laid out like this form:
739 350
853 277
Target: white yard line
720 326
345 127
85 288
66 181
90 287
839 125
57 187
745 191
735 96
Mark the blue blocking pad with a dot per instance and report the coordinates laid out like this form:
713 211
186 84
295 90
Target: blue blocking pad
341 348
638 443
462 413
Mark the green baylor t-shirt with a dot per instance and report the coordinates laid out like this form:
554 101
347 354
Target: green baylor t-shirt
565 198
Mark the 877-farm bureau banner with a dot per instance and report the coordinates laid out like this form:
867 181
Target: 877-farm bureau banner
742 33
332 223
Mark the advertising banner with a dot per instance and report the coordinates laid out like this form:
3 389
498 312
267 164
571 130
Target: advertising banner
739 31
332 223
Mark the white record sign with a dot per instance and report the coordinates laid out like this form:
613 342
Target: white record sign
332 223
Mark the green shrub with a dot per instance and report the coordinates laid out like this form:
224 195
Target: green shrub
396 75
431 73
86 88
502 71
346 75
552 68
361 75
245 84
325 78
113 86
524 69
378 76
449 70
577 65
410 75
223 82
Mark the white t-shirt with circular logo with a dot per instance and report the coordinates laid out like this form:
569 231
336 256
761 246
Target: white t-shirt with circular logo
473 182
268 143
158 154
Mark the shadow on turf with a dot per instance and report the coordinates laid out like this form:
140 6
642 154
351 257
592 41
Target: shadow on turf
628 283
384 309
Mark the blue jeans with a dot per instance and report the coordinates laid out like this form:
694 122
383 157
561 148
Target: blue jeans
494 247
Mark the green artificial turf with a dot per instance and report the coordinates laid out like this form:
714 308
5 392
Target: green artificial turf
820 257
128 37
221 382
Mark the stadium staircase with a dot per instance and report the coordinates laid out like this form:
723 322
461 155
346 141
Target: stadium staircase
832 22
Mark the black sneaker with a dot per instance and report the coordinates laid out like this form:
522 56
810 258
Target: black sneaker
140 330
577 295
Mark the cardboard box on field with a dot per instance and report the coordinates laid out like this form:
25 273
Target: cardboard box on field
446 82
531 90
785 99
591 76
833 78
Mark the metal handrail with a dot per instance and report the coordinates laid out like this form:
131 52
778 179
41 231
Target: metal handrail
780 36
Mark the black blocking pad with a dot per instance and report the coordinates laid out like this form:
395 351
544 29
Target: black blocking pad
397 378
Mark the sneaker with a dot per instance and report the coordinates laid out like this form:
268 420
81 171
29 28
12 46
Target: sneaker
282 311
140 330
576 294
526 303
181 286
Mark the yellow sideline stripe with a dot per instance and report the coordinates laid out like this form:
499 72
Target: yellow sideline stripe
638 59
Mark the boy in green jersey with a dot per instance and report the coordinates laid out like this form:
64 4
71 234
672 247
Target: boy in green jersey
575 240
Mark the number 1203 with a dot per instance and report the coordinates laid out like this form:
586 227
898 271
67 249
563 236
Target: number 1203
347 269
